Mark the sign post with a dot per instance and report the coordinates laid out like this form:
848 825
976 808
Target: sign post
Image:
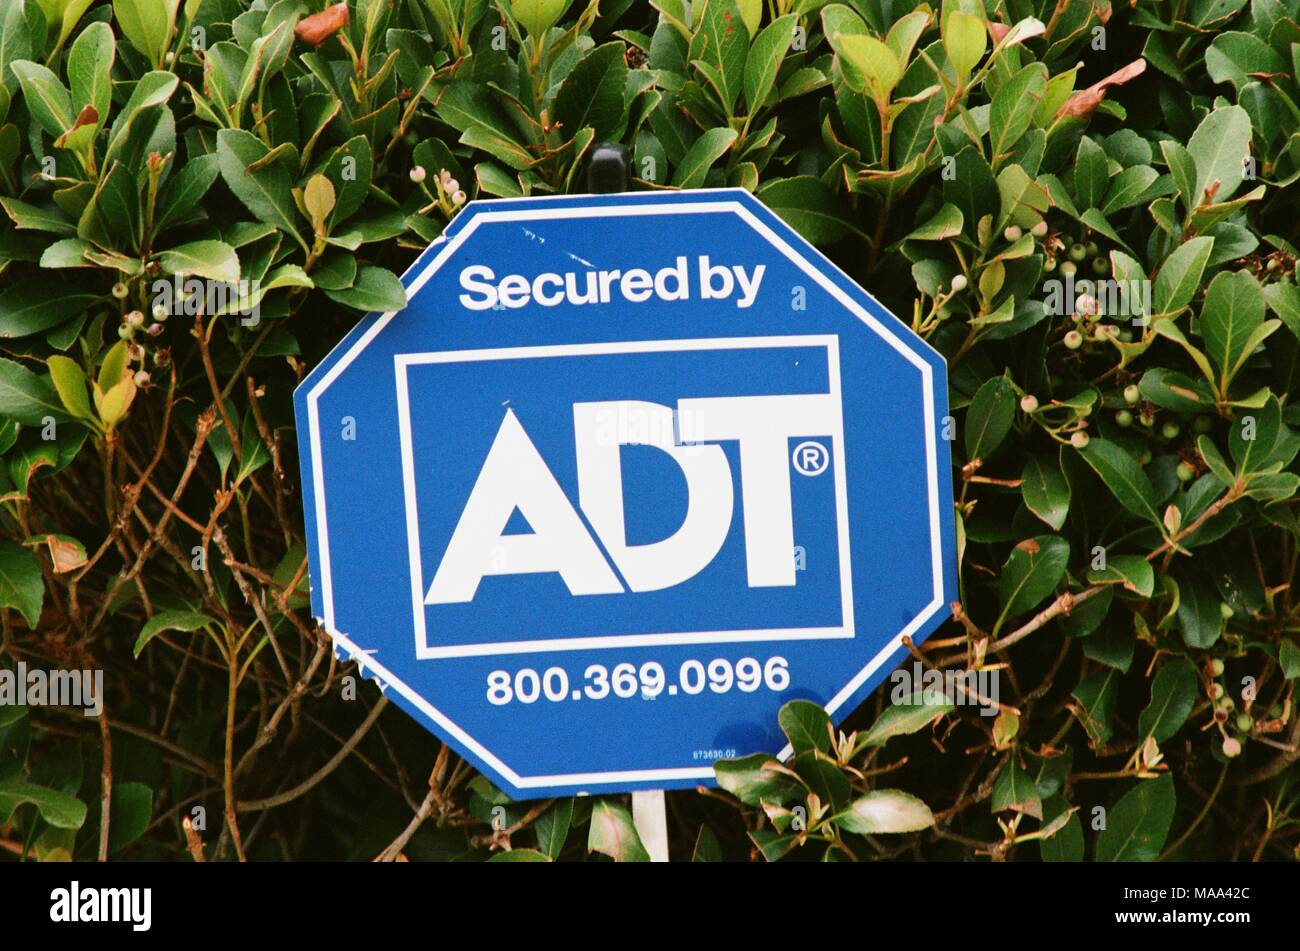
629 472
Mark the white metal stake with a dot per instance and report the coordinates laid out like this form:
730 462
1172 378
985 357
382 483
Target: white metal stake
651 821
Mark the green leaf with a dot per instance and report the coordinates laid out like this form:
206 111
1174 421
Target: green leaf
946 223
57 808
169 621
1096 694
1173 694
1066 844
1091 174
1175 391
132 810
875 62
885 812
214 260
47 100
901 719
26 397
375 289
1013 108
1232 322
1015 789
1182 168
719 48
90 70
34 218
592 93
765 58
1288 657
1199 617
553 826
152 89
699 158
1234 56
1031 573
185 189
1045 490
972 187
520 855
756 779
1218 146
707 847
612 833
1124 477
964 40
21 583
806 204
70 383
147 24
267 192
39 302
1132 571
538 16
1137 825
989 418
806 725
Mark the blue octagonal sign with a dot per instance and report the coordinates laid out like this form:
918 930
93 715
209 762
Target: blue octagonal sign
628 473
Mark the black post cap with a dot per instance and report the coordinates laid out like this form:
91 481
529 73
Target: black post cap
607 169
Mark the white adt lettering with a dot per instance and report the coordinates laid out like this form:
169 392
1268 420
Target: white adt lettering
515 476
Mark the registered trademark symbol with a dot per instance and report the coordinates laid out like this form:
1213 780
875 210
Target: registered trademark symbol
810 458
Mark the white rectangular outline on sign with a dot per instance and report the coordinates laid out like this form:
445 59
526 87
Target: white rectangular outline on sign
424 651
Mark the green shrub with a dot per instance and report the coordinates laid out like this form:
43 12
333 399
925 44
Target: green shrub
1126 481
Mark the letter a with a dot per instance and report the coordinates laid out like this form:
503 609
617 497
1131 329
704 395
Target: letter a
515 476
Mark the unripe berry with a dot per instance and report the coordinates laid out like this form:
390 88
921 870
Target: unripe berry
160 312
1087 304
1244 722
1124 418
1170 430
1225 610
959 283
1012 233
134 318
1068 268
1079 439
1049 265
417 174
1092 248
1100 266
154 329
1074 340
1216 692
125 331
1231 747
451 185
1029 403
1227 703
1039 230
1078 252
141 377
1216 667
458 198
1185 472
1132 394
120 290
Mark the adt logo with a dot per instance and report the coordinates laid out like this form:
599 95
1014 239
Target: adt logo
629 476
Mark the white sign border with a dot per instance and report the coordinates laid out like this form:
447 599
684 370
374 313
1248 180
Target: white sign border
598 211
